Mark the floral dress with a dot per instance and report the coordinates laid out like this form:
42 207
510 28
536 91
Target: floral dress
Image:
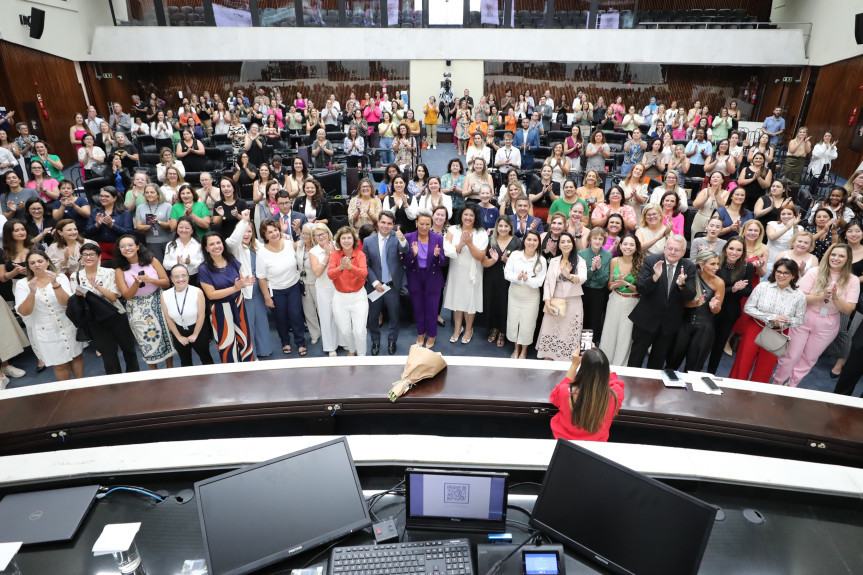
462 125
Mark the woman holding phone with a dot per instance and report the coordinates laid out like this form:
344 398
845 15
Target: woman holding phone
588 398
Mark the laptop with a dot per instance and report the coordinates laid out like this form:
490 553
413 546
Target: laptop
456 500
45 516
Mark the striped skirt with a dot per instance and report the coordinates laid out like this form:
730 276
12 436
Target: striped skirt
231 330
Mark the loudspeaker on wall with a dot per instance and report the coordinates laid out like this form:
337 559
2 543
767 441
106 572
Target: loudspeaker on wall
37 23
858 28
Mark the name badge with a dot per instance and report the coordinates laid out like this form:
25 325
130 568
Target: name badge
824 311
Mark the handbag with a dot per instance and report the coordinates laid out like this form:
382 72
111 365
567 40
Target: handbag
558 304
99 169
771 340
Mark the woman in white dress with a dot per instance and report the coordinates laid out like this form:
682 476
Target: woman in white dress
525 271
319 259
42 301
465 245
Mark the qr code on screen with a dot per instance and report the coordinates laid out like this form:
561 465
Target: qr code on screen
457 493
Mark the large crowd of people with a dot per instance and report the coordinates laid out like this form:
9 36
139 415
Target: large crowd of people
668 232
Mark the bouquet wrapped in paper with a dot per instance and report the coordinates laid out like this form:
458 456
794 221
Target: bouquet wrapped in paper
422 364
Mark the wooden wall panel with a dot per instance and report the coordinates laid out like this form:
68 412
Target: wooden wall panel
61 93
315 80
714 87
837 93
789 96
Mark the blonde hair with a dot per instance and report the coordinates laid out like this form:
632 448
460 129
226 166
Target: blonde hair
759 248
803 232
824 270
642 223
320 227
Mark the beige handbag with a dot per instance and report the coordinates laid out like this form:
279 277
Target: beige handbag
773 341
558 304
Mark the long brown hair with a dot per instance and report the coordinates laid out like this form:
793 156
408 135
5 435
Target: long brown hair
589 394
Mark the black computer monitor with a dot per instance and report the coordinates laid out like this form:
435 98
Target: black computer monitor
263 513
621 519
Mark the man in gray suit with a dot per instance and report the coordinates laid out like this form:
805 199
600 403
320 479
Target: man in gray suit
385 270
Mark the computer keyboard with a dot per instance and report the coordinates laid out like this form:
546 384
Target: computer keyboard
447 557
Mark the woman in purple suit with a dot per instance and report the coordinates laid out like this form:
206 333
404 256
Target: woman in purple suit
423 263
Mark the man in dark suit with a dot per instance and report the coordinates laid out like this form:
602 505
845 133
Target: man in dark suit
383 258
665 282
853 368
292 219
527 142
521 221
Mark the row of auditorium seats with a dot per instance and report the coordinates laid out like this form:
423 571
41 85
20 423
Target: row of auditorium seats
574 19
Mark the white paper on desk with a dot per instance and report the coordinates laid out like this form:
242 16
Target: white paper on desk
696 384
7 553
115 538
374 295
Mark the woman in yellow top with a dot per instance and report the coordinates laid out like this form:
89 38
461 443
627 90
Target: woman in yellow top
430 122
387 130
364 207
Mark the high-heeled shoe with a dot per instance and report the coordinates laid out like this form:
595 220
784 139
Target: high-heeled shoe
455 336
466 340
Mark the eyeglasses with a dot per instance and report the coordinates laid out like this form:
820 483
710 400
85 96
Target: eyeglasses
781 273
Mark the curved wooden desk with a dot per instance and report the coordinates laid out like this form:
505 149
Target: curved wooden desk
500 399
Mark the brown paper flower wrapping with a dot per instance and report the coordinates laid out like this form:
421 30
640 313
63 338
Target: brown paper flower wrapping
422 364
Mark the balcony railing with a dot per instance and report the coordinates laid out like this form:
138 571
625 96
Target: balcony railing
560 14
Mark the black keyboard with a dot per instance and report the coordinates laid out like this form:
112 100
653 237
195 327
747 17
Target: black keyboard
449 557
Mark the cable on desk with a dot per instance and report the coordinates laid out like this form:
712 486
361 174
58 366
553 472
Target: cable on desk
141 490
519 508
519 484
372 500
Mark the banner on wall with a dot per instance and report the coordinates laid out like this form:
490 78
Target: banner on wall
609 21
393 12
489 13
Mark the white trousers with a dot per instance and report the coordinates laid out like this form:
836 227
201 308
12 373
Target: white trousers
352 313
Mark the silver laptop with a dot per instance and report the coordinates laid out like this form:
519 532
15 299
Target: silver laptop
45 516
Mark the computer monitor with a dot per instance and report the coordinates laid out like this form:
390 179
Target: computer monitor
452 500
263 513
621 519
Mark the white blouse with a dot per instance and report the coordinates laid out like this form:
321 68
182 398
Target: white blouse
192 250
105 277
768 300
278 268
242 253
517 263
182 307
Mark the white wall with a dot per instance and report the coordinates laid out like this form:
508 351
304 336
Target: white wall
753 47
832 26
426 76
69 25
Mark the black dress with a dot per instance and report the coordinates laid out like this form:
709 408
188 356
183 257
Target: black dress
753 189
495 288
536 187
229 220
194 162
730 312
33 230
695 338
771 216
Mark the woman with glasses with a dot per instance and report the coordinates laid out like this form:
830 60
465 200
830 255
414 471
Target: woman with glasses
112 332
184 308
830 289
108 223
776 304
139 277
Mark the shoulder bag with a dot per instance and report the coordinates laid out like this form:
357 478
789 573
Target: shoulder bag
772 340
